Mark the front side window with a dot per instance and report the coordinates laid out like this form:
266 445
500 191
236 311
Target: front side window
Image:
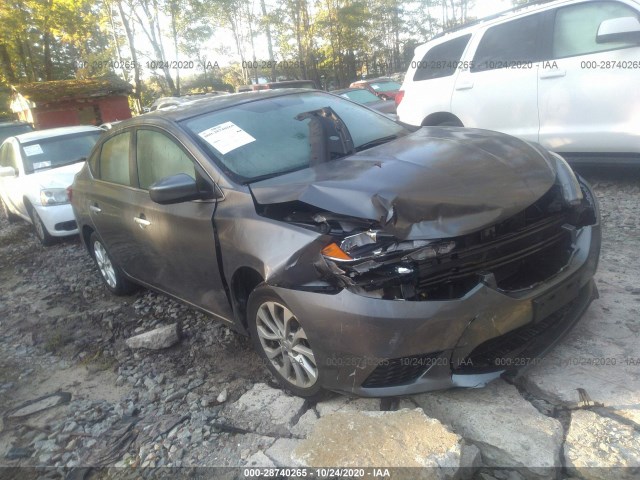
114 160
53 152
441 60
159 157
508 45
576 28
271 136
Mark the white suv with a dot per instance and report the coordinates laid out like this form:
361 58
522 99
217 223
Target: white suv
565 74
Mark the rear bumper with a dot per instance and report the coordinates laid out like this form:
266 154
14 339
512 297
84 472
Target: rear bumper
372 347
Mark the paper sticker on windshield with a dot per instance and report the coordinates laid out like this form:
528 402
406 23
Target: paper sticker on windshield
226 137
31 150
39 165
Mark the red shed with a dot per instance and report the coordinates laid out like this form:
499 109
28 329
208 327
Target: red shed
60 103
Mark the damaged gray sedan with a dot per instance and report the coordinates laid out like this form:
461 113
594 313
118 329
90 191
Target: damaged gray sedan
361 255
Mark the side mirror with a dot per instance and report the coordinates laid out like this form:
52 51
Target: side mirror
623 29
179 188
8 172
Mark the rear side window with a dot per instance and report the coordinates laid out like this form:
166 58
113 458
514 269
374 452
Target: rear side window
114 160
158 157
576 28
442 60
508 45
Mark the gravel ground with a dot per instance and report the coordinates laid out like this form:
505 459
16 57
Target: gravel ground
62 331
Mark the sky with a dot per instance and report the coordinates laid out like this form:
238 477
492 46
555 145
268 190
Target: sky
481 8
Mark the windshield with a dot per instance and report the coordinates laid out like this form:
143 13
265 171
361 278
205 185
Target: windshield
360 96
385 86
7 131
264 138
57 151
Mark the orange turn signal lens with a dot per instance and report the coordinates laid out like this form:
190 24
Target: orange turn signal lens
335 252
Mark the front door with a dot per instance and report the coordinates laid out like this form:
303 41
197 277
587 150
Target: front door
176 244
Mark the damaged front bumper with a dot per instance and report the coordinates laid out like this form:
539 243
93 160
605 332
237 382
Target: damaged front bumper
376 347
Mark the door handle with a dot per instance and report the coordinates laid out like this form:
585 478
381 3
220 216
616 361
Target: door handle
464 85
142 222
95 208
555 73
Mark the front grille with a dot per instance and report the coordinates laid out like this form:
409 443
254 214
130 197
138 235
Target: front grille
521 251
400 371
520 346
66 226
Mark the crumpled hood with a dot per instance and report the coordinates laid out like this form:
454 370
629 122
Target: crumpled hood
433 183
60 177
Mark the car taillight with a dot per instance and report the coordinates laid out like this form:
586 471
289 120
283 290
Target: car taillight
69 193
399 96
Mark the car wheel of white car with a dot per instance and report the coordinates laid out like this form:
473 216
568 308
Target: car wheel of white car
41 231
283 344
11 217
113 277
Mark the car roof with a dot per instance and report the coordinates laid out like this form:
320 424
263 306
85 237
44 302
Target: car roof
517 11
54 132
206 105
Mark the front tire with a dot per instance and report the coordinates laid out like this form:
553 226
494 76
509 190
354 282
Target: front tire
41 231
111 274
281 341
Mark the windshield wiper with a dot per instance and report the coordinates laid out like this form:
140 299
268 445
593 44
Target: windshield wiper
376 142
267 176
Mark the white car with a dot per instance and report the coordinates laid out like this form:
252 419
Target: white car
35 170
563 73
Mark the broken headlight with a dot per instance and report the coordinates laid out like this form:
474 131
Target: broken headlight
571 191
379 264
373 244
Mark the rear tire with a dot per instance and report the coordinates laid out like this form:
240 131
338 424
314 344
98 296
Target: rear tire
11 217
38 226
280 340
110 273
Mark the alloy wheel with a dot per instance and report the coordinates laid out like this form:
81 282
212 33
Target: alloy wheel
286 345
104 264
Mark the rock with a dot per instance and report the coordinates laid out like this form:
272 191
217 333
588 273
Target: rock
264 410
259 459
470 461
40 404
306 423
222 397
281 452
600 355
176 395
163 337
509 431
596 441
341 403
403 438
15 453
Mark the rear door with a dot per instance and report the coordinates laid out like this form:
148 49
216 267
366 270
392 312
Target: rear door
112 199
499 91
176 243
589 92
